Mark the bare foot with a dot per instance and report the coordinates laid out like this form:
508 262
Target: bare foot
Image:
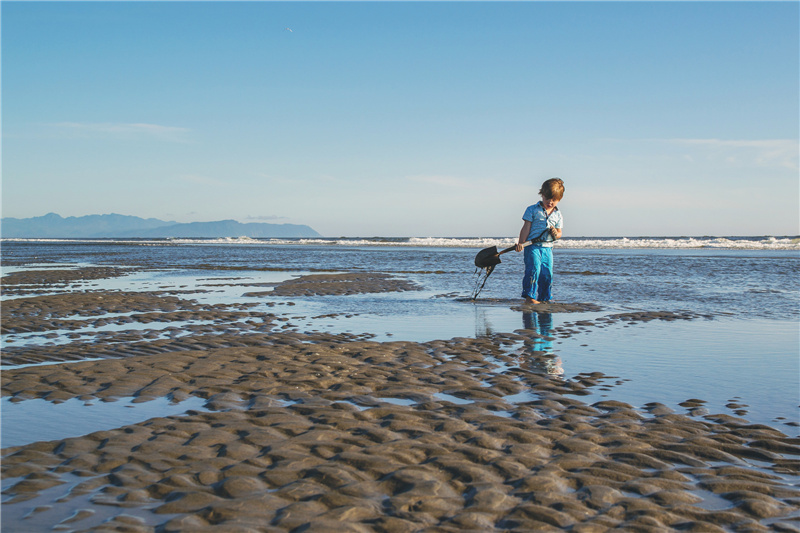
531 301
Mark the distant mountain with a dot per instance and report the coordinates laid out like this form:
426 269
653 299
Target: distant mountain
55 226
110 226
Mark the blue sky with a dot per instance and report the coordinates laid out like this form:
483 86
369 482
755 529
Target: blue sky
406 118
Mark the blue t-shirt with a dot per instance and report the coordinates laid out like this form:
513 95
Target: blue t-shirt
540 221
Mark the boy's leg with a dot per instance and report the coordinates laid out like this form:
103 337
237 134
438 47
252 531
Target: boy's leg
526 277
545 277
532 267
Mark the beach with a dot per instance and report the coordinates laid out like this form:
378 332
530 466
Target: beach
304 422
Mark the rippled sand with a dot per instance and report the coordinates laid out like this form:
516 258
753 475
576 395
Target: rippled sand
322 432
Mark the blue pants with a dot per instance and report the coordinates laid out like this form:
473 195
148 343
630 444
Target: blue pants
538 279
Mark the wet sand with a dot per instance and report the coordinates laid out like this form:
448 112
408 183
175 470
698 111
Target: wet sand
323 432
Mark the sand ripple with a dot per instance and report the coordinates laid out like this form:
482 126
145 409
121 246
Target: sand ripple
333 447
320 432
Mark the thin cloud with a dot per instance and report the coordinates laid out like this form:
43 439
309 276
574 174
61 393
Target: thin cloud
264 218
298 179
442 181
197 179
767 153
125 130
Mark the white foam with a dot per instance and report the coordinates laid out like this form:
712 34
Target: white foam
740 243
731 243
762 243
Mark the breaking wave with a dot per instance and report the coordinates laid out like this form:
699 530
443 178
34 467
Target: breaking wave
733 243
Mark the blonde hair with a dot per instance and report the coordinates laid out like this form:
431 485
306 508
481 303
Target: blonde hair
552 188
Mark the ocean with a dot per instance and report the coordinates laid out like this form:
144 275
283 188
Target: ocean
736 347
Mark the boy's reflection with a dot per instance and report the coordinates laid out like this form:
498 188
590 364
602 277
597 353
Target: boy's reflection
539 354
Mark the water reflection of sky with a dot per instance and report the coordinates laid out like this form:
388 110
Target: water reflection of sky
75 417
722 361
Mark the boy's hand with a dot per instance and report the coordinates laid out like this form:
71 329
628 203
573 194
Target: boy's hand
518 247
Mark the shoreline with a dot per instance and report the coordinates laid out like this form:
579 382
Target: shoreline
331 431
780 243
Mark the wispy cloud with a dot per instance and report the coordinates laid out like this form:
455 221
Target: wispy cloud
768 152
197 179
309 179
763 153
264 218
442 181
124 130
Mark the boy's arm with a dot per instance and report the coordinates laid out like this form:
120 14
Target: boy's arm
523 235
555 231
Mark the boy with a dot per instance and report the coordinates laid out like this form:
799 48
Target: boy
540 219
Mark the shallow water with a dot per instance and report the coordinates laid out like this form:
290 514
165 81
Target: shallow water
749 363
73 506
75 417
742 361
742 282
660 362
